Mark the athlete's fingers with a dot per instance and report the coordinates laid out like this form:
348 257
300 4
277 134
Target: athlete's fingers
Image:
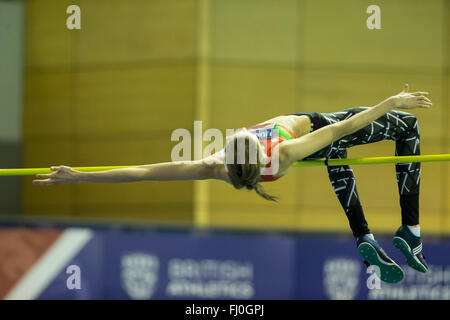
46 182
421 100
424 99
419 93
45 175
424 105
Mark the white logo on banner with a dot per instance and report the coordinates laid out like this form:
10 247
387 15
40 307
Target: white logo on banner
139 275
433 285
210 279
341 278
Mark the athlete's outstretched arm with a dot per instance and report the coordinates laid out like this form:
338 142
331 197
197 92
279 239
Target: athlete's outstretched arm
306 145
165 171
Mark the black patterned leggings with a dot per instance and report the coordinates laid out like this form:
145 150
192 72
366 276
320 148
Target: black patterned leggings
395 125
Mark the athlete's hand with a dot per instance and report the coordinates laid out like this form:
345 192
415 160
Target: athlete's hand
60 175
407 100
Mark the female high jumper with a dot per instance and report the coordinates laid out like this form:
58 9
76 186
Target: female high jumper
304 136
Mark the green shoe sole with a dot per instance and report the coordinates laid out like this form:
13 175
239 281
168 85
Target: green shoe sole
390 272
411 260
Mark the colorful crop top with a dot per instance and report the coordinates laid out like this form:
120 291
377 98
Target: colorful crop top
270 134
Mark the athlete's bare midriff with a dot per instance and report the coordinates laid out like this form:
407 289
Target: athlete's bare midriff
299 125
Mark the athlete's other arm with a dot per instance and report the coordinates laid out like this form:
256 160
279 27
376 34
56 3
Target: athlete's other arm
207 168
306 145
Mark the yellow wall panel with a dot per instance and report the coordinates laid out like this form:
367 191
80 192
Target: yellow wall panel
300 183
377 184
224 193
45 153
388 220
380 220
254 216
333 90
136 100
432 181
384 220
48 41
117 31
316 190
285 188
243 96
48 104
257 31
337 34
160 214
319 218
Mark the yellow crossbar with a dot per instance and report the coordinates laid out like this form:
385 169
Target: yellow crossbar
305 163
374 160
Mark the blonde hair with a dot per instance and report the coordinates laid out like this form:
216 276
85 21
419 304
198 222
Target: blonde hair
244 170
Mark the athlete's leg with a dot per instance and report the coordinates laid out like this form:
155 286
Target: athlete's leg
407 238
344 185
402 127
408 174
395 125
341 177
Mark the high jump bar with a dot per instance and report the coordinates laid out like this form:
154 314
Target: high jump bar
373 160
304 163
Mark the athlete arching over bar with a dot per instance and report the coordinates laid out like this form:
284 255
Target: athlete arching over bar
306 136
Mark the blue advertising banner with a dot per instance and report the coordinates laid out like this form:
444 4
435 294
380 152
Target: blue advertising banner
147 265
188 264
330 268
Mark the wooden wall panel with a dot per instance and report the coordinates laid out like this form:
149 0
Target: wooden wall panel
336 34
243 96
124 32
264 217
110 93
48 105
328 90
48 42
255 31
138 101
